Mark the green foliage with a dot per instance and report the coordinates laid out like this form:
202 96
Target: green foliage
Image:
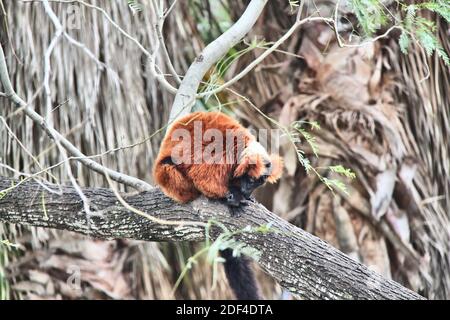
372 15
266 228
309 138
293 4
135 6
226 240
335 184
222 66
425 31
404 42
299 132
343 171
8 245
441 7
5 248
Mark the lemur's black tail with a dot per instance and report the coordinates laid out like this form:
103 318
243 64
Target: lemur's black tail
240 276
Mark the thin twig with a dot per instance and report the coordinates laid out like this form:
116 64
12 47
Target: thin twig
30 176
258 60
145 215
35 160
74 151
157 75
160 19
187 92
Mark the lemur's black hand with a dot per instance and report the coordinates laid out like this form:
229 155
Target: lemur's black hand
235 200
234 197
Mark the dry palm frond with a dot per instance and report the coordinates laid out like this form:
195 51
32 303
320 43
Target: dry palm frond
97 109
377 113
427 119
382 119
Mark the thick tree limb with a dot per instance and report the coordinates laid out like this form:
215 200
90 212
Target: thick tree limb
300 262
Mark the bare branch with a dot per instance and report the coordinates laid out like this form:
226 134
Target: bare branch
362 44
60 31
186 94
54 134
259 59
48 100
160 18
157 75
12 135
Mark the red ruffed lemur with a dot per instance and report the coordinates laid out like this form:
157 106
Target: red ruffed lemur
212 154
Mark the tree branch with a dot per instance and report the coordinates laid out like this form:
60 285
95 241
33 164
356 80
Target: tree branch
186 94
59 138
299 261
155 73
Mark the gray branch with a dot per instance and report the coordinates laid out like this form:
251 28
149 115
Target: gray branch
55 135
186 94
299 261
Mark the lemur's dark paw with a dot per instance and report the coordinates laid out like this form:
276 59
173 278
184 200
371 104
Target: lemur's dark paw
245 202
235 212
232 200
252 198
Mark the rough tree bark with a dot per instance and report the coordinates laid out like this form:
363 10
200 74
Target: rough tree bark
299 261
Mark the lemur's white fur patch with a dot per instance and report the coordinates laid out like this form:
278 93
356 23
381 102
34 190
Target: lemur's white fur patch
254 147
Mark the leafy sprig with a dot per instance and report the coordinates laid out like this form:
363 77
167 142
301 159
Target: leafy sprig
226 240
135 6
372 15
299 132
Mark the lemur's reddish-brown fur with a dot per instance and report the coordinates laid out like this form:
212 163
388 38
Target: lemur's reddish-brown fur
185 182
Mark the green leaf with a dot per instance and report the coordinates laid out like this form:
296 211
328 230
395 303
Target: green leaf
293 4
404 42
443 55
343 171
370 14
266 228
410 16
425 29
315 125
442 8
428 41
9 245
335 183
134 6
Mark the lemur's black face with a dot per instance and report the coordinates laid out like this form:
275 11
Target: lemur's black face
241 188
249 184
